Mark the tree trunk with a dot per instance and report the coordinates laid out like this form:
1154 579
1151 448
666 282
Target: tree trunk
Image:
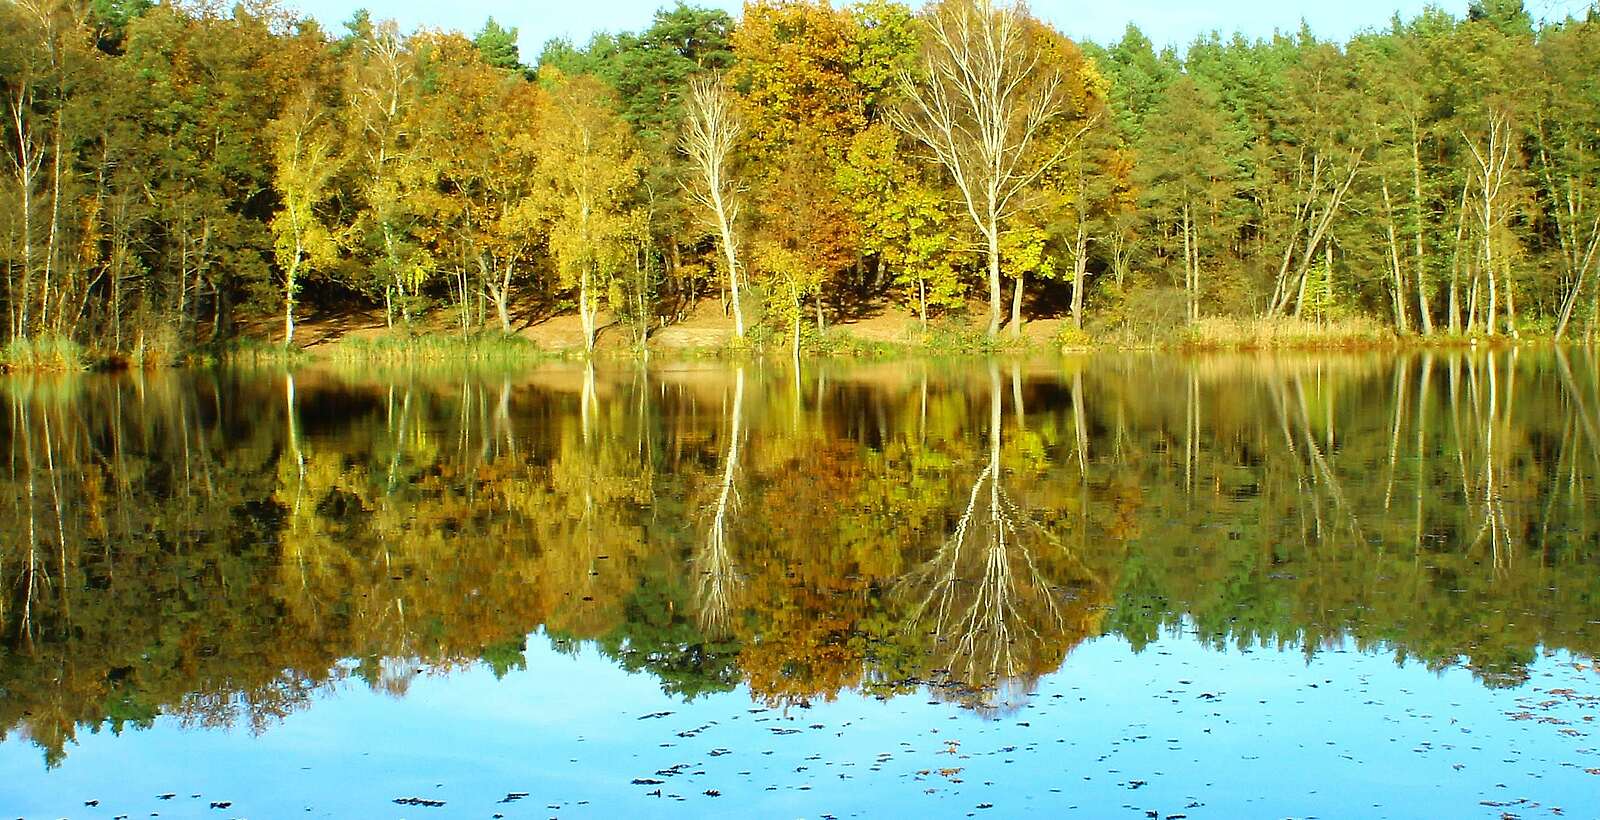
1594 318
1569 303
586 311
27 162
1327 256
1419 267
993 237
1455 263
1394 263
1016 307
1488 268
1472 303
502 299
725 228
1190 275
54 245
1080 269
288 301
675 276
1511 305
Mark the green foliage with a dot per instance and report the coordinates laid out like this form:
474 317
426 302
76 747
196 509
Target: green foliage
498 46
905 222
957 335
1071 337
156 347
506 657
247 352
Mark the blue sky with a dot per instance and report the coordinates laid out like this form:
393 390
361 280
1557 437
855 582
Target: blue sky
1165 21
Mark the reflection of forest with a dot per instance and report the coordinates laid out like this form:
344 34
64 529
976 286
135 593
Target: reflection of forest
220 547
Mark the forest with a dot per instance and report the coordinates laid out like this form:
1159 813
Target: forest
181 175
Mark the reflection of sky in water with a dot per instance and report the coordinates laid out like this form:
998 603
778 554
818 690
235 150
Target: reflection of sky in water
1177 730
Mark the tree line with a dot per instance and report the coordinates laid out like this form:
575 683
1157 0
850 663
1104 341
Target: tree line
174 167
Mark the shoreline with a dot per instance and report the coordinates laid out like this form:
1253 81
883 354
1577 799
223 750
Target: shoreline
496 348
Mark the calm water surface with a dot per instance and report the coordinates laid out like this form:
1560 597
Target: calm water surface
1116 587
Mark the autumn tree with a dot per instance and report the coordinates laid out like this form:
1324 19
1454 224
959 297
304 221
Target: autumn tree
304 148
712 128
981 104
511 231
906 221
387 166
651 71
588 167
805 235
793 73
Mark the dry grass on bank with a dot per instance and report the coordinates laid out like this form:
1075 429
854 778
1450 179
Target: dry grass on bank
1287 333
478 348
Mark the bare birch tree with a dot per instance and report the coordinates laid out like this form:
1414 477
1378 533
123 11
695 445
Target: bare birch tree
982 104
712 130
1491 177
1320 188
380 96
26 155
1576 198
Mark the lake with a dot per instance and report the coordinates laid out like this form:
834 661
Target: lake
1143 586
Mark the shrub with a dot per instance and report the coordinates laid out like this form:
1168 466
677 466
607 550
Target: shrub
155 347
53 354
1072 337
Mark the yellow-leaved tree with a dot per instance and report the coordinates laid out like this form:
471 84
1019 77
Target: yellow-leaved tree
588 165
304 160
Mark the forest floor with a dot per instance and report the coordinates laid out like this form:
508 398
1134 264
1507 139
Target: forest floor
877 330
705 329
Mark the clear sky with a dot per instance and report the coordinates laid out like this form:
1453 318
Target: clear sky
1164 21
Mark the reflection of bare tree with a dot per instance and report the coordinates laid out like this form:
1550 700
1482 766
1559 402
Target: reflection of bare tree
996 593
291 415
504 430
713 562
1490 420
589 403
1320 487
1585 416
22 423
1423 393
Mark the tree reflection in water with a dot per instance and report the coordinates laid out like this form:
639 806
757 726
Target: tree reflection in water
718 579
993 594
223 546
